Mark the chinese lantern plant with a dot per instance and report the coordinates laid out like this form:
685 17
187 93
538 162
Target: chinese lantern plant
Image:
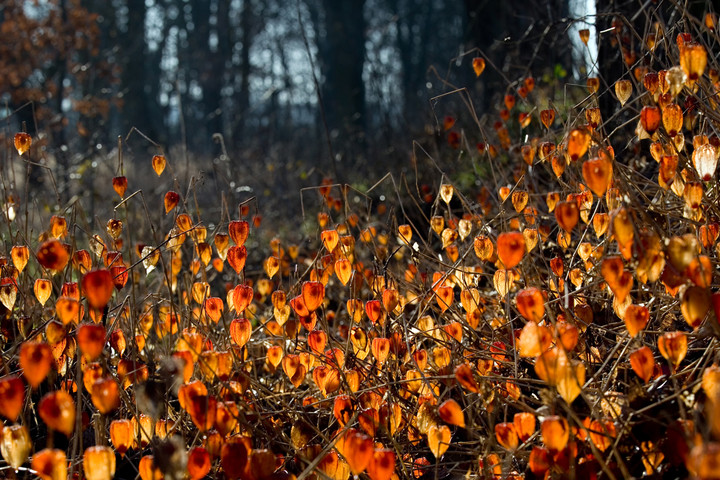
570 283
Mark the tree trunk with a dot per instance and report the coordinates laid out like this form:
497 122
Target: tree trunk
342 58
519 38
140 100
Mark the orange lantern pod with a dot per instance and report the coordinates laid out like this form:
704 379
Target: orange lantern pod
504 281
547 117
55 332
584 34
52 255
711 21
105 395
643 363
539 461
519 199
506 435
438 439
118 342
601 222
158 164
91 340
36 360
602 434
239 231
552 365
68 310
673 347
234 458
667 171
313 294
578 143
202 410
705 161
222 243
623 90
382 464
593 84
50 464
567 215
450 412
317 340
274 355
509 101
483 247
552 200
444 297
650 118
695 305
510 248
672 118
15 445
58 227
199 463
57 410
329 239
143 428
567 335
92 372
593 117
528 154
294 369
597 173
122 435
613 271
271 266
623 228
240 331
120 185
693 60
525 425
99 463
343 409
700 271
226 417
213 308
343 270
478 65
12 397
240 297
171 201
464 376
148 470
20 255
42 289
555 433
534 340
524 119
236 257
22 141
651 81
636 319
381 349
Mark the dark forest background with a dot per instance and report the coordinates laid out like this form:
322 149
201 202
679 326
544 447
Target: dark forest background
276 90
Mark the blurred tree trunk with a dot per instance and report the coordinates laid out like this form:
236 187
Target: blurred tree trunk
415 26
62 156
612 44
140 78
520 38
341 48
246 37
